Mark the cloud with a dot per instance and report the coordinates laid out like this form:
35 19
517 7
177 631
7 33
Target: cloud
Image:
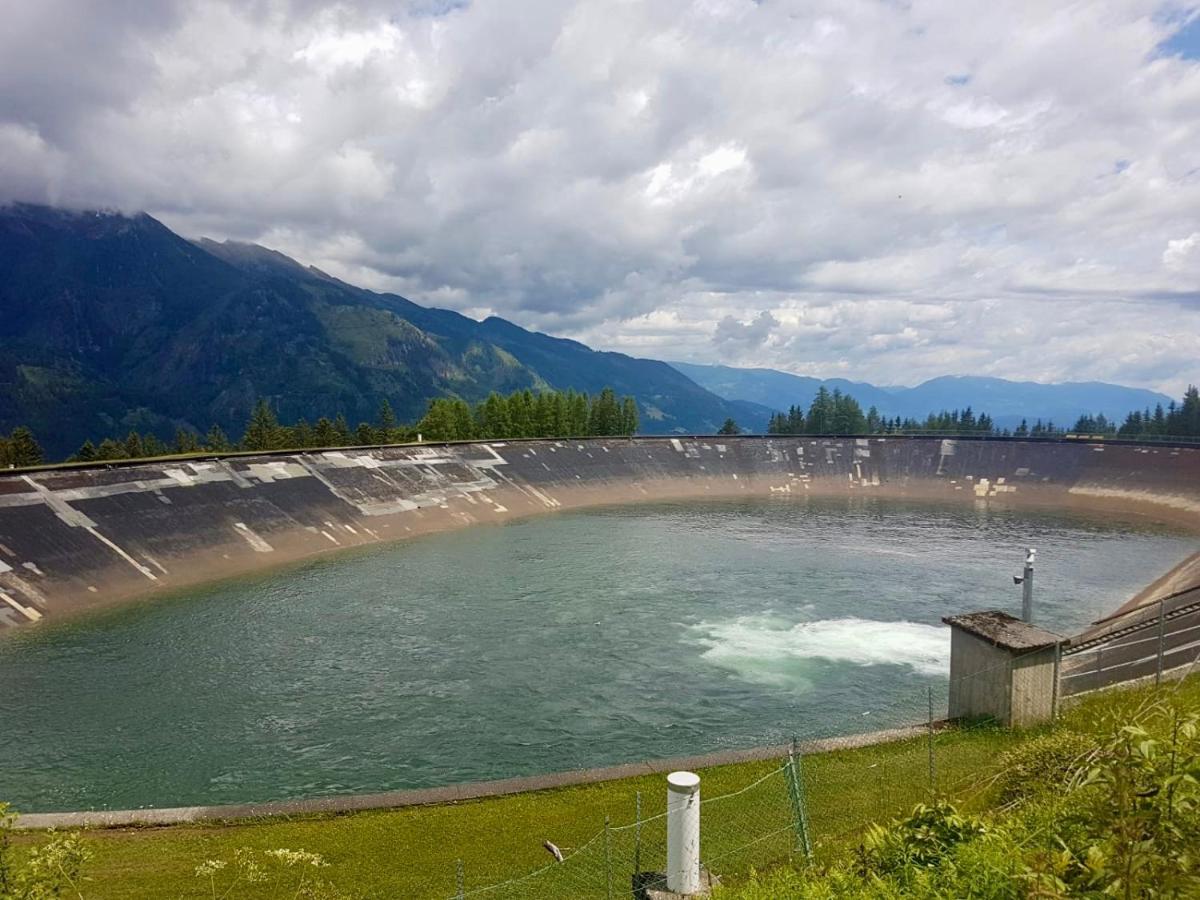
880 190
745 335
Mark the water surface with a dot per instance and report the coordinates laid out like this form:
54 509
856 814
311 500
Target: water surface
569 640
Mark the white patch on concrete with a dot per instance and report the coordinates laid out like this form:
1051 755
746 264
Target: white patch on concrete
276 471
332 539
5 567
1174 501
154 562
251 538
32 567
678 446
184 479
27 611
92 589
121 553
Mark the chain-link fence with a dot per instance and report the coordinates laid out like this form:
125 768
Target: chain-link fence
808 805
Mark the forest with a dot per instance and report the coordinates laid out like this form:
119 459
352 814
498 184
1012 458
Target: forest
522 414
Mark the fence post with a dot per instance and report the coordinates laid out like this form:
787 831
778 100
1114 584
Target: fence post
1162 621
795 783
459 880
1054 687
608 857
637 834
932 772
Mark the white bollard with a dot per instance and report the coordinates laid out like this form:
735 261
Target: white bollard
683 832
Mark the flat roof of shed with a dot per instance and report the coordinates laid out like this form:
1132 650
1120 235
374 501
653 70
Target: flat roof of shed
1004 631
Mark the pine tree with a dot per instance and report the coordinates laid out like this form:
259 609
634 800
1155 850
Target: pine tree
110 450
186 441
365 434
302 434
494 421
342 430
262 431
464 421
216 441
629 416
386 424
324 434
23 450
152 445
730 427
133 446
85 453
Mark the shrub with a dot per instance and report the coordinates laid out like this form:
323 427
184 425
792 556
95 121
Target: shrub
922 840
1042 765
51 870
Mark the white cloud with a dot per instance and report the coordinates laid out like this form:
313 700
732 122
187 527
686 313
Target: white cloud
886 191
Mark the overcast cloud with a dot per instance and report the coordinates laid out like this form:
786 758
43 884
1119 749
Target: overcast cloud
881 190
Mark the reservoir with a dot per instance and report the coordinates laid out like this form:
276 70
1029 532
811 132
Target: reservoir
568 640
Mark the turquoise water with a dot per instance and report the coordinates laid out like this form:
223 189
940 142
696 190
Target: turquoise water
568 640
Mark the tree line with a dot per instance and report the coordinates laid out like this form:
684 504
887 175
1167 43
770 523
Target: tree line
833 412
1175 420
522 414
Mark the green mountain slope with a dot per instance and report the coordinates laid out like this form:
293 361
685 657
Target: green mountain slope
113 322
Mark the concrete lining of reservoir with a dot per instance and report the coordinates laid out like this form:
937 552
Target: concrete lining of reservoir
78 538
455 793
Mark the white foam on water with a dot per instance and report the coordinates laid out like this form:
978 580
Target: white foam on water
751 644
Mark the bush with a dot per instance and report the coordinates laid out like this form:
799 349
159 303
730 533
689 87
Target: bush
922 840
52 870
1042 765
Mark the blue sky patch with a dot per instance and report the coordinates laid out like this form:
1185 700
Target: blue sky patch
1185 42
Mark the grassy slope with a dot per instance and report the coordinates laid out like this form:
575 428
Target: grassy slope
412 852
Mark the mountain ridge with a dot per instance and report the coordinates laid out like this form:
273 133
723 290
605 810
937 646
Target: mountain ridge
115 323
1007 401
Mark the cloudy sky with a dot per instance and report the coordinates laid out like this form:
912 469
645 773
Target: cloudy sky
882 190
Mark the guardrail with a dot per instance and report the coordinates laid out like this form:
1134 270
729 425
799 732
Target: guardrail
1142 643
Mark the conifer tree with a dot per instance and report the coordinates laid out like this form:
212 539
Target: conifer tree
262 431
386 424
23 449
341 430
85 453
302 434
324 434
629 416
109 450
216 441
132 446
186 441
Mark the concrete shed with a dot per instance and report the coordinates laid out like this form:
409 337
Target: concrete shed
1002 668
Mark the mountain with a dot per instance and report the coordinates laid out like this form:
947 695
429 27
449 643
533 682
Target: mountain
1008 402
113 322
774 389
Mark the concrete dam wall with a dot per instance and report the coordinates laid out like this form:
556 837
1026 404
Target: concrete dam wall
73 539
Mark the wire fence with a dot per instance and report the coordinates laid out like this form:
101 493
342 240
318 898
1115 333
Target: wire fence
806 806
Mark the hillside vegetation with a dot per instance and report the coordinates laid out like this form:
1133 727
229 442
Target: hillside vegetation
114 324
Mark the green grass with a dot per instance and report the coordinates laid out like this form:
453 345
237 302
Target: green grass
413 852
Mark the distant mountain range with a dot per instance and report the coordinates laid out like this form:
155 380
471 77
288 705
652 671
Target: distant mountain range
110 323
1008 402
